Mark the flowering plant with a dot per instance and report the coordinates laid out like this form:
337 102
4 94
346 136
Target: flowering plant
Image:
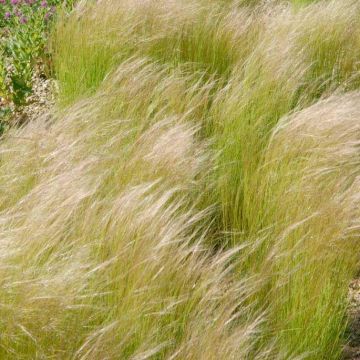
15 12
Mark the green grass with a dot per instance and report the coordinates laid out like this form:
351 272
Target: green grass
195 196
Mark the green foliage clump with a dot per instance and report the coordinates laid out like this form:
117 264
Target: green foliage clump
24 29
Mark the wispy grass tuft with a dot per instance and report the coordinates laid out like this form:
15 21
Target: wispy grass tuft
196 196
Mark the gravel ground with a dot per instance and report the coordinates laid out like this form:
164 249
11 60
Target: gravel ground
39 103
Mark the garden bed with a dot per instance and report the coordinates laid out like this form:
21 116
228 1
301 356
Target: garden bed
25 64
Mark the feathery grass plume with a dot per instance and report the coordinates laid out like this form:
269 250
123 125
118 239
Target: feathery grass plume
307 199
270 56
287 70
206 37
327 35
177 108
103 255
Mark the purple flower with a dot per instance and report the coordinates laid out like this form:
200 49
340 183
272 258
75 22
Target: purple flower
2 1
23 20
44 3
15 2
7 15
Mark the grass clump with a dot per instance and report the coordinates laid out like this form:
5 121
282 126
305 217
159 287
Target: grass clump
196 195
139 280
